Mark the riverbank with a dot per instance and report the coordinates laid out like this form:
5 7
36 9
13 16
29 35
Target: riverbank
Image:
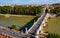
18 20
17 15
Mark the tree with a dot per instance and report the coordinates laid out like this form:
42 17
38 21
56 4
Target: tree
5 9
0 9
13 26
20 9
55 10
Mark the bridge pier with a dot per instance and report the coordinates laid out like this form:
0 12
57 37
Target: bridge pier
36 36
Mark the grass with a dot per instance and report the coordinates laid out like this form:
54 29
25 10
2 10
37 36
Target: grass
15 20
53 25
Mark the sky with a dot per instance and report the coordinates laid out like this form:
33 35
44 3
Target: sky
23 2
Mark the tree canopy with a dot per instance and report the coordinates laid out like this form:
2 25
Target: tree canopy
20 9
55 10
13 26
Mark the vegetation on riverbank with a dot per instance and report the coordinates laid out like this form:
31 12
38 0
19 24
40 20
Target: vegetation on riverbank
21 10
55 10
53 35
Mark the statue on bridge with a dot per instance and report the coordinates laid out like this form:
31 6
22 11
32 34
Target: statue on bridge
46 10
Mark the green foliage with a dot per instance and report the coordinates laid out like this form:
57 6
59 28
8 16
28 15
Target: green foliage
55 10
49 17
50 35
13 26
0 9
5 9
20 9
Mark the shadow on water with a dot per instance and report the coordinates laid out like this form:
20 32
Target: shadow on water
28 25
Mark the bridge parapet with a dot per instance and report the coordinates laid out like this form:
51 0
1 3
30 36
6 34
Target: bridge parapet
40 29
